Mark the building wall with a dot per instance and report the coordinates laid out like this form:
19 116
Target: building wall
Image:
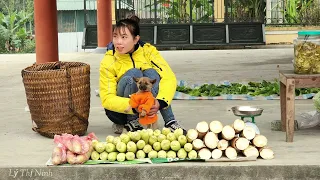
71 26
73 21
70 42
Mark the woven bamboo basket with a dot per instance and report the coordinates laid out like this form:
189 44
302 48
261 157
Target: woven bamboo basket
58 96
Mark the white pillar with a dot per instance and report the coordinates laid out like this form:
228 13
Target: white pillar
280 11
268 11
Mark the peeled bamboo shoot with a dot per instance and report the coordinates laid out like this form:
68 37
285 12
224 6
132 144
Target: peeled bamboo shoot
216 154
240 143
238 125
251 151
266 153
192 134
202 128
216 127
248 132
197 144
223 144
260 141
231 153
211 140
204 153
228 132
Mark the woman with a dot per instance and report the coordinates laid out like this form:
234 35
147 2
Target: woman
128 57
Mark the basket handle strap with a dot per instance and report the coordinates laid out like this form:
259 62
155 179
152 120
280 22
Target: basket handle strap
71 105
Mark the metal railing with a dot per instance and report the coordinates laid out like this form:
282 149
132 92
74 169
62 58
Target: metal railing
191 11
244 10
293 12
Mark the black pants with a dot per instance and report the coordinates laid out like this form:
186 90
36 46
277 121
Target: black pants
117 118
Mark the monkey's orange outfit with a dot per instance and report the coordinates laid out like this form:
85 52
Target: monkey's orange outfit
143 100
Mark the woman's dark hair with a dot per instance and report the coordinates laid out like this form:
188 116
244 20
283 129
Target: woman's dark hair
134 17
132 23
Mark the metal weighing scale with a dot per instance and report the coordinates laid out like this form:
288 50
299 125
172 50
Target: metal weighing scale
247 112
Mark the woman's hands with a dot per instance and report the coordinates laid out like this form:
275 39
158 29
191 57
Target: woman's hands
155 108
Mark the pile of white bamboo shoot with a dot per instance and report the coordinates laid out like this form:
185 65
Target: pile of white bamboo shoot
214 140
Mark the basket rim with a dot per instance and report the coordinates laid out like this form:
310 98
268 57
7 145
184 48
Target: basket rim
81 65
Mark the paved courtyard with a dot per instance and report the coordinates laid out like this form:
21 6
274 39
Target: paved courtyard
23 148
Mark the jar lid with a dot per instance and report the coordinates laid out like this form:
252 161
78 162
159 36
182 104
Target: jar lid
310 33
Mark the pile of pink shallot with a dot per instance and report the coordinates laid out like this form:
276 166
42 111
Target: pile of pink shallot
72 148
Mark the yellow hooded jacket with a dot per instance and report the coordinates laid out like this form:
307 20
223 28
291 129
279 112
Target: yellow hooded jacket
114 65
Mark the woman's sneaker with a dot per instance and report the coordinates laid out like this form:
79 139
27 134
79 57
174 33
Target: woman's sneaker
117 128
132 126
173 125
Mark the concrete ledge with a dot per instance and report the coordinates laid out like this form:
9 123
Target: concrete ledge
273 43
208 47
280 37
290 28
227 47
281 32
100 50
185 171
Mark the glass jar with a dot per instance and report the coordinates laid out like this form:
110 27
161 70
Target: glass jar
307 52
